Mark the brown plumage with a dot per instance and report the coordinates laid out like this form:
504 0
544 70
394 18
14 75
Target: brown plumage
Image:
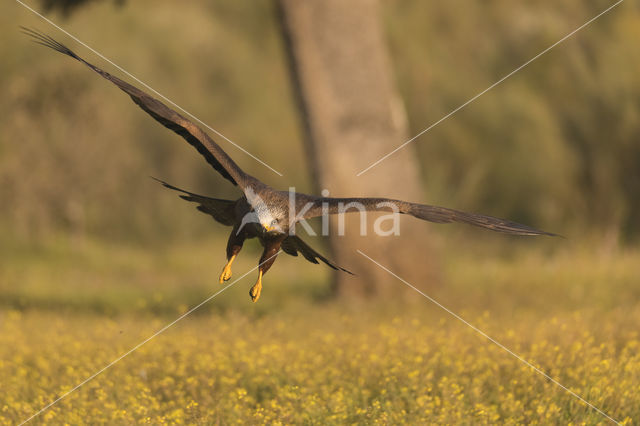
263 212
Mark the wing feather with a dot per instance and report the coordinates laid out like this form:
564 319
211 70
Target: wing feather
169 118
426 212
223 211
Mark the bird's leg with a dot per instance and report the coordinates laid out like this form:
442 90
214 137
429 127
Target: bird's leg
271 249
226 271
234 245
257 288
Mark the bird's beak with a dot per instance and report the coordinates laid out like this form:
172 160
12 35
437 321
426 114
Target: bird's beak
268 228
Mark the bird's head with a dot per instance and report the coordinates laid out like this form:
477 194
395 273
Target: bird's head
271 225
269 215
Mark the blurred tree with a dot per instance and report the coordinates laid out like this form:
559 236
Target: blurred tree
353 116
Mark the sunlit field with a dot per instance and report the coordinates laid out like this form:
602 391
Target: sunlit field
297 357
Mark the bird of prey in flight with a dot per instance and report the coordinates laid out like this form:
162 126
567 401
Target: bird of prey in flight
263 212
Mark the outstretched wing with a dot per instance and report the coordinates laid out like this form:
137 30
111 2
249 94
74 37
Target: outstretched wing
223 211
421 211
169 118
293 245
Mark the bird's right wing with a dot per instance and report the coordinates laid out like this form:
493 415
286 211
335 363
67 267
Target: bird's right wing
292 245
169 118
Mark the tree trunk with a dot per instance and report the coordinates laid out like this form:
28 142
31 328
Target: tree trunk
352 115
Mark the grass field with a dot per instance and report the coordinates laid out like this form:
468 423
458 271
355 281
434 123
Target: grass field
299 357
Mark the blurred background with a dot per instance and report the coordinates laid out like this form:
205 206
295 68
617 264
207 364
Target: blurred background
86 235
554 146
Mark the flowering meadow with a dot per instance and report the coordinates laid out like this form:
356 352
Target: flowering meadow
299 357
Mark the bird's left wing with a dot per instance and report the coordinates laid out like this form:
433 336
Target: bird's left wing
292 245
169 118
317 206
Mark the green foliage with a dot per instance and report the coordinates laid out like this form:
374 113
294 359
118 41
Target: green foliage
554 144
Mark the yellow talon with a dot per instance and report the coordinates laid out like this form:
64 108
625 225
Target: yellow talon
226 271
257 288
